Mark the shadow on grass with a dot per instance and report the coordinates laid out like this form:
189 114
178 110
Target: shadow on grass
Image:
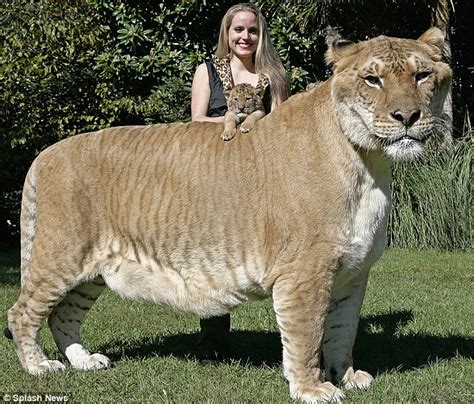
387 350
375 352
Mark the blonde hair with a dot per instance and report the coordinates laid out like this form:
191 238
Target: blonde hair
266 59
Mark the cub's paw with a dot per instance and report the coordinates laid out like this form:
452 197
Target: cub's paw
357 380
227 135
245 129
44 367
323 393
93 362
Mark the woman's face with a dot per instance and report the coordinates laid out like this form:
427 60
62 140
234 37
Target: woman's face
243 34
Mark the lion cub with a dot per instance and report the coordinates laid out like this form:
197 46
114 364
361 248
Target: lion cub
245 104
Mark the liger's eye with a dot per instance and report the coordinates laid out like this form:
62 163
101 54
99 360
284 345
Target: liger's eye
372 80
420 77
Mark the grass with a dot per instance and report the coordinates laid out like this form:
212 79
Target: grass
416 336
432 199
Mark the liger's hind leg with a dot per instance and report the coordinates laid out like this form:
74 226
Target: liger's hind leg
65 322
26 318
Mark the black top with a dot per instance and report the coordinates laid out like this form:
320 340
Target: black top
217 102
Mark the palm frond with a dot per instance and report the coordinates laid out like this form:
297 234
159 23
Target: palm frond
310 11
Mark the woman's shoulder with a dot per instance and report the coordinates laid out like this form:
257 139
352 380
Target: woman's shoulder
202 67
201 74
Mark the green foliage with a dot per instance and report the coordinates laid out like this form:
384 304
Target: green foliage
45 70
299 50
433 200
148 62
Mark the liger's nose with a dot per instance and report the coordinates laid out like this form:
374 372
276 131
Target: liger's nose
408 118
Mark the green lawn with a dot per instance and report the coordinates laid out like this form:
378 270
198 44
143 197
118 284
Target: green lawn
416 336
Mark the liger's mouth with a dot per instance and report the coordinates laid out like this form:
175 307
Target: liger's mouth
406 138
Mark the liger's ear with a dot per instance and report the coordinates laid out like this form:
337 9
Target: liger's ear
338 48
434 38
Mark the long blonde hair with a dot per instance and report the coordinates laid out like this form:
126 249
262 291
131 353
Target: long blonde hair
267 60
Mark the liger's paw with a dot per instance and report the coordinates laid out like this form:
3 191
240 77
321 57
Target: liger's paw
44 367
93 362
323 393
357 380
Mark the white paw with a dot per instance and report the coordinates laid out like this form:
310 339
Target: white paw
93 362
45 366
323 393
357 380
245 129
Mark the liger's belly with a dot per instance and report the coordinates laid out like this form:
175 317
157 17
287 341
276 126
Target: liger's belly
202 288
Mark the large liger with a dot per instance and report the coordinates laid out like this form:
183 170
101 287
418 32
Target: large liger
296 209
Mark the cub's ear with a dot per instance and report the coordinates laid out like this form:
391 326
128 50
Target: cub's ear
338 48
434 38
227 93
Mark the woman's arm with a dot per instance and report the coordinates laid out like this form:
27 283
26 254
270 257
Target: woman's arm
200 95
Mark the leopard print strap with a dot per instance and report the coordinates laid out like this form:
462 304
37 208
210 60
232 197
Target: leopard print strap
222 66
262 84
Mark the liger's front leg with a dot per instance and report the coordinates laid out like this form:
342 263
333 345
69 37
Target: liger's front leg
341 329
301 298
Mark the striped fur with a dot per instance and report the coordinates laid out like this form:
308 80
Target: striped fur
170 213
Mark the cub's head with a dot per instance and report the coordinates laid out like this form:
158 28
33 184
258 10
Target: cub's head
243 99
389 92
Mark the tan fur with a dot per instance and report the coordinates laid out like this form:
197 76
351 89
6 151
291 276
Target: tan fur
245 105
297 210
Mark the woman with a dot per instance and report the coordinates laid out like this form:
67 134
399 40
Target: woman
245 54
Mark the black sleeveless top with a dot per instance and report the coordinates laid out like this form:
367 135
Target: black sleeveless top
217 102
